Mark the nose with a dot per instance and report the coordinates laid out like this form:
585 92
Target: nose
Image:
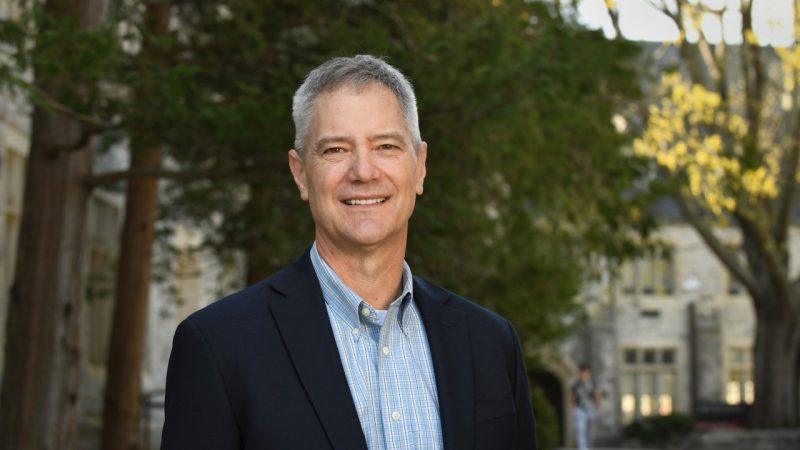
363 166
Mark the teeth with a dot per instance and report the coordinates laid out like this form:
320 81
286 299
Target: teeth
370 201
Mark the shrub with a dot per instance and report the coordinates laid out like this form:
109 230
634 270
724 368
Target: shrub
547 436
660 430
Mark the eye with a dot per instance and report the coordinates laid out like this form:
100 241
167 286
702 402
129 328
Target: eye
388 147
332 151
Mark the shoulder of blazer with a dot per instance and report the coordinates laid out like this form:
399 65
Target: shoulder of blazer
475 314
252 301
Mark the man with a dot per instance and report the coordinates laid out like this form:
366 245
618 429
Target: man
345 349
585 401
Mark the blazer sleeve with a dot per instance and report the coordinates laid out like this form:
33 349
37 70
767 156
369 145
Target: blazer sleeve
198 413
526 423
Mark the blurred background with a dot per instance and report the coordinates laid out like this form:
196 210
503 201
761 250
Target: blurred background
618 178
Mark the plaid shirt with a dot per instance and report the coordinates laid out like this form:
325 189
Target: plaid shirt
388 367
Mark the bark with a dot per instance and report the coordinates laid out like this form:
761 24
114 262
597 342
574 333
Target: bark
777 340
126 347
776 372
256 248
41 375
40 380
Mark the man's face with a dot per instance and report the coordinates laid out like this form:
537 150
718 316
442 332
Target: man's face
359 173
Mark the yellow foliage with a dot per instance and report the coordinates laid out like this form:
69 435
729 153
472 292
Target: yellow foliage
703 159
713 143
750 37
789 56
690 133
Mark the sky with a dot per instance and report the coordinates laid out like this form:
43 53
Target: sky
639 20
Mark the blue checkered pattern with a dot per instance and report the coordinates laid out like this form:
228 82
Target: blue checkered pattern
388 367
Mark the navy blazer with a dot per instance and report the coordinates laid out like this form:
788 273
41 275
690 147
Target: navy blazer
260 370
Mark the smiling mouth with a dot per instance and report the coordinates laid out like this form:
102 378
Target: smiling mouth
365 201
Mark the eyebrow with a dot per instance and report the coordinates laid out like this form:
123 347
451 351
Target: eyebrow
331 139
390 135
375 137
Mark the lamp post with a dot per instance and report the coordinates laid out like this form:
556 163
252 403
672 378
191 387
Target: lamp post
691 287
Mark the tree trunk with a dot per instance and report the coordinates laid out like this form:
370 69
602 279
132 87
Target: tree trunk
257 248
41 374
40 380
126 347
129 327
776 354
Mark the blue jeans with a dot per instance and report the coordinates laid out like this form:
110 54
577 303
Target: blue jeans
584 420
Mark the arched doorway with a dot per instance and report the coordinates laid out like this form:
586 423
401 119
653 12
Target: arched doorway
553 391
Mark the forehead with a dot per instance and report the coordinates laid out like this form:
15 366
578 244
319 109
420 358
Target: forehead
350 107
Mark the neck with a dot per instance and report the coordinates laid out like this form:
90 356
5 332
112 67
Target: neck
374 274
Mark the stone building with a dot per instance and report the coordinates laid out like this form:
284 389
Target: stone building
668 333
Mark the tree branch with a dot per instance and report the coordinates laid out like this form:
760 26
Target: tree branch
725 256
614 15
187 175
752 67
697 63
789 188
48 102
768 251
662 8
714 65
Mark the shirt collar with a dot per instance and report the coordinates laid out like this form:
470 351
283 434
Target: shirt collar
345 302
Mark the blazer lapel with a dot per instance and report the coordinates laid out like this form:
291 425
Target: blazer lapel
306 330
448 339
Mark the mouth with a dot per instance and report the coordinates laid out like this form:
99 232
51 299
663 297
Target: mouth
364 201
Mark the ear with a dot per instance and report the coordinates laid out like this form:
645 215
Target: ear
298 173
421 170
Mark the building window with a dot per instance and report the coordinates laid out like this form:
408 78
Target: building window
647 382
739 376
652 274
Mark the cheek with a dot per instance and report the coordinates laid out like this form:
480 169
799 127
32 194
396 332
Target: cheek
322 194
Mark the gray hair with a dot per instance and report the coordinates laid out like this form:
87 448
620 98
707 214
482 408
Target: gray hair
359 71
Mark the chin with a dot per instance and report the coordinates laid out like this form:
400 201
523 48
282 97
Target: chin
369 236
366 240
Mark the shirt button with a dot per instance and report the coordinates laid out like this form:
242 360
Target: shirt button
385 350
355 332
365 312
396 415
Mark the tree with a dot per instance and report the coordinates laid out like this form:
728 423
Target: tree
129 326
40 379
725 134
516 106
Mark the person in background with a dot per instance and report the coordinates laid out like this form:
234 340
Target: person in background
584 400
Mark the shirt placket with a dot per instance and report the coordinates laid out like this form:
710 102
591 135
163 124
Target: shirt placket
369 341
393 408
